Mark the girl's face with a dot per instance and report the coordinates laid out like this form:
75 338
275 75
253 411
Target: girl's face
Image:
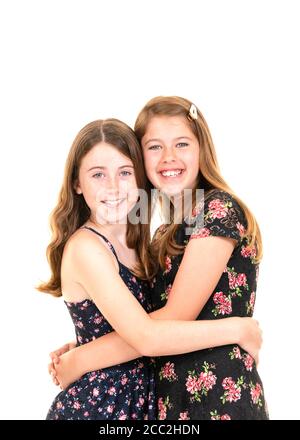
107 182
171 154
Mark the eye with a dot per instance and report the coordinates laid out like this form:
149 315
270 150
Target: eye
126 173
98 175
154 147
182 144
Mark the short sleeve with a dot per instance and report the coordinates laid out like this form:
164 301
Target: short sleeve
221 216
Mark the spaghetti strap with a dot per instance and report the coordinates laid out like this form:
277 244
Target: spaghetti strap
104 238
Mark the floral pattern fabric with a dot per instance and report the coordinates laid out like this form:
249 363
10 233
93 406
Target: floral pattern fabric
121 392
220 383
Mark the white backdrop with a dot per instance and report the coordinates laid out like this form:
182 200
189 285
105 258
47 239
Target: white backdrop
66 63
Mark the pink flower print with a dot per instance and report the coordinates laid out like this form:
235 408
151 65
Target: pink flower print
200 385
79 324
133 279
165 295
217 209
168 264
248 362
200 233
223 302
168 372
219 298
96 392
251 303
235 353
141 401
122 416
233 283
92 376
207 380
232 389
76 405
225 308
59 405
256 392
162 408
98 320
111 391
225 417
192 384
215 416
124 380
72 391
110 409
184 415
241 229
241 279
248 252
86 414
197 210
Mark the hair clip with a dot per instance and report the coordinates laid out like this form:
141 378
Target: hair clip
193 114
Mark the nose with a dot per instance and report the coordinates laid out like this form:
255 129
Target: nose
112 184
168 155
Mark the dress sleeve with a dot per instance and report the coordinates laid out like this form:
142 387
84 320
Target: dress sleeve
221 216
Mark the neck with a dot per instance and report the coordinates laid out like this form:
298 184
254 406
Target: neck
182 203
116 230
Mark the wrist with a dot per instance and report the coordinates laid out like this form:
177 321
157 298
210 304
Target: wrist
77 362
238 330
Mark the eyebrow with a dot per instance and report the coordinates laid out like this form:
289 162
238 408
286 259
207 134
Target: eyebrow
176 139
104 168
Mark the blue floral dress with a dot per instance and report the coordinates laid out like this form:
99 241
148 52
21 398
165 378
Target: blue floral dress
122 392
220 383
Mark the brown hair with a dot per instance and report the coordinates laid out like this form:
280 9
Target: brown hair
209 172
71 211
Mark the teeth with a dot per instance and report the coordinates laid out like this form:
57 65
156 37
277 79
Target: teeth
112 202
171 173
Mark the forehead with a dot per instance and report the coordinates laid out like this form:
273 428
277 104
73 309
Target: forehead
168 126
104 154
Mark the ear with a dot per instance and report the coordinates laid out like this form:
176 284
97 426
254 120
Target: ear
77 188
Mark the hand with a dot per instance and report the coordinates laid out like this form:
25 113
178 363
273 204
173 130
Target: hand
251 337
55 358
66 370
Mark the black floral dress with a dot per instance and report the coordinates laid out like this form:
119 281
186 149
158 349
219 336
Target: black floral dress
121 392
220 383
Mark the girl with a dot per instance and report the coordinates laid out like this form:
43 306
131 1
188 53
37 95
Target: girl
87 264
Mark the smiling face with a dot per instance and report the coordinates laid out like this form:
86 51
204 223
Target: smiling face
171 154
107 182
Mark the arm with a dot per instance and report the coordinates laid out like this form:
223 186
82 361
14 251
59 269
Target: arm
115 350
96 272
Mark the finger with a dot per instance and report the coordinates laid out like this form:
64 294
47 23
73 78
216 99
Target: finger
51 368
56 360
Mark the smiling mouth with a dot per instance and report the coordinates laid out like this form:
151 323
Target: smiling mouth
112 203
172 173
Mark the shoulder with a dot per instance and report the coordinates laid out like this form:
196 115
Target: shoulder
221 204
84 246
220 215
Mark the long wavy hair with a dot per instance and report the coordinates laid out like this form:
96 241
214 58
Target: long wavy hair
209 173
71 211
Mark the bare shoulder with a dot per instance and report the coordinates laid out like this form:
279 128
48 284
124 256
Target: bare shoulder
85 246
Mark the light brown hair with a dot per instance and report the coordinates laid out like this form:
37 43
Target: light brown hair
71 211
209 173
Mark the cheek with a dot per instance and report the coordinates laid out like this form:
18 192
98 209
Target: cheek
150 164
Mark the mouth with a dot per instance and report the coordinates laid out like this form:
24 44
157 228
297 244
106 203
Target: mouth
171 174
112 203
